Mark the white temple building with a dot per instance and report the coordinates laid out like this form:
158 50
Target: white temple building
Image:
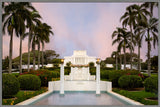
79 66
79 57
79 78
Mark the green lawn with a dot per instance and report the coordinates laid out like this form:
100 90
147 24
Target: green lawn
22 95
137 96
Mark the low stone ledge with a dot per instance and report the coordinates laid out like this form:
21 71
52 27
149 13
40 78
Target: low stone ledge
80 86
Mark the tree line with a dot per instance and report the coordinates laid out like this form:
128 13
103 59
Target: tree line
22 20
138 23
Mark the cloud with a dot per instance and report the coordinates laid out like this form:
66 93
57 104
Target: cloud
78 26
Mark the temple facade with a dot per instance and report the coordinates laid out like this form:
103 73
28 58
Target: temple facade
79 66
79 57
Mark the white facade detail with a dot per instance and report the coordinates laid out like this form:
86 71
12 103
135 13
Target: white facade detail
79 58
80 86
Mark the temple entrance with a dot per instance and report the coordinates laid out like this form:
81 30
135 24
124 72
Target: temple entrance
79 66
79 73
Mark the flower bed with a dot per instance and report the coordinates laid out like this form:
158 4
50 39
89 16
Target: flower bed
23 95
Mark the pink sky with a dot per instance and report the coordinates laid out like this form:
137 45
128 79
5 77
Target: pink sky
79 26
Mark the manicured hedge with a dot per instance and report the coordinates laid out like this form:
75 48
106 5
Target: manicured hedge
92 70
130 81
29 82
105 74
10 85
151 84
15 74
44 75
114 75
67 70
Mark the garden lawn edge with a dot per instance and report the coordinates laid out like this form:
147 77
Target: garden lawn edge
33 99
133 102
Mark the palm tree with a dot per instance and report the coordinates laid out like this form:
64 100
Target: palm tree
43 32
115 55
47 30
34 19
129 19
151 5
123 38
23 11
141 14
33 50
10 22
150 28
120 58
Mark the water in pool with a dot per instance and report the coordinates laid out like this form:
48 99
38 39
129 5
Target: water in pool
79 98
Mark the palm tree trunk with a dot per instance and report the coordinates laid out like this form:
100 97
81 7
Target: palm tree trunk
131 45
42 55
116 63
38 55
120 60
10 53
139 60
124 58
29 43
20 52
34 59
149 59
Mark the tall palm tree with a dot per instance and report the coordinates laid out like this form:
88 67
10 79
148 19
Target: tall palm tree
48 31
129 19
33 50
141 14
43 32
123 38
10 22
23 11
150 28
115 55
120 58
34 19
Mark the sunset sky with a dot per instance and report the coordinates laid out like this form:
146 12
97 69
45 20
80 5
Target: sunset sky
80 26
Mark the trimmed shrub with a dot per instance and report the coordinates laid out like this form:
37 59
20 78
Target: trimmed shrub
10 85
44 75
132 72
151 84
92 70
55 74
130 81
114 76
15 74
29 82
104 74
107 68
91 64
67 70
53 68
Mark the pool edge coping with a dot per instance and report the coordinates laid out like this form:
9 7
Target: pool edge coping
35 98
